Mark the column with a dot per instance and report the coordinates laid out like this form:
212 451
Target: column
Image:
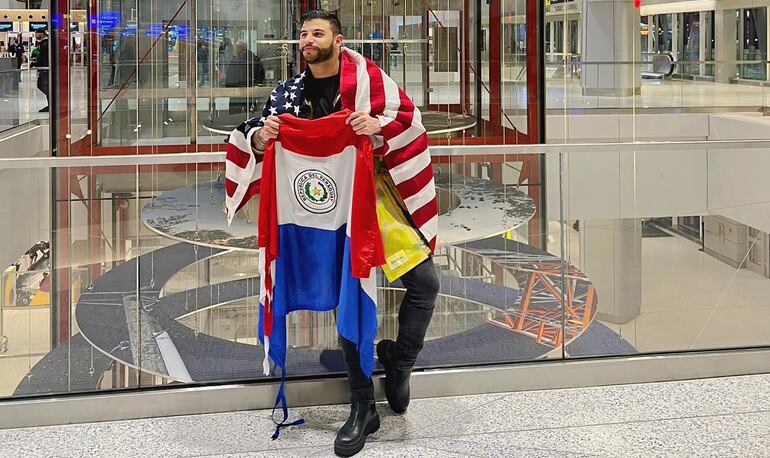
610 31
767 42
675 37
705 40
611 256
652 36
579 47
552 38
726 30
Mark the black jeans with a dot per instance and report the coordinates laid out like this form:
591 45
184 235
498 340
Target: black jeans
42 83
414 316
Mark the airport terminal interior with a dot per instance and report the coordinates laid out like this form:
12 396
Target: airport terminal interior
601 190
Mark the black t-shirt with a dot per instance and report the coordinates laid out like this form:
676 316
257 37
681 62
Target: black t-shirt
322 95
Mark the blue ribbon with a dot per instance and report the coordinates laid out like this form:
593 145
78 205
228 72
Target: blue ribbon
281 399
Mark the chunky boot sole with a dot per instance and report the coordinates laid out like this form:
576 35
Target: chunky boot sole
352 449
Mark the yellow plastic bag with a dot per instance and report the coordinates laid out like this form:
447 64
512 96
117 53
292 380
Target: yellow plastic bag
403 246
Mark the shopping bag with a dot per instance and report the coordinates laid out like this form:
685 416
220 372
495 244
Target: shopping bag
404 248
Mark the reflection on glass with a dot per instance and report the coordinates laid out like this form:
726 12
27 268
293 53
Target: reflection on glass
149 286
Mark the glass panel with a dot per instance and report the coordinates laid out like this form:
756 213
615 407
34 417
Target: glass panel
754 43
160 293
22 102
185 74
667 283
67 298
151 287
514 63
25 311
602 272
689 43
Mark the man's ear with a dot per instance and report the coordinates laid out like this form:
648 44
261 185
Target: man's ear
338 40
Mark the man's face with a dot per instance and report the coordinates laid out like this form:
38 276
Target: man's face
39 36
317 41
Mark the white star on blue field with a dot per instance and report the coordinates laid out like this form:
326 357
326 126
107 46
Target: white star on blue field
284 98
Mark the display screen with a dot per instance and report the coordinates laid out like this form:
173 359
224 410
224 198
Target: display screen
35 26
106 21
6 26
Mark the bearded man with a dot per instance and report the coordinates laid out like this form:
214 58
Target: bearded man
338 78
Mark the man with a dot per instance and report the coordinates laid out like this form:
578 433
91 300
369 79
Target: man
245 69
41 63
203 62
337 78
17 50
226 53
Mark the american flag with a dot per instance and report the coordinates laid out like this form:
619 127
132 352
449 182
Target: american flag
403 142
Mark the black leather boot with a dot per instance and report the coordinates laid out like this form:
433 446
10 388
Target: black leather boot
363 421
396 380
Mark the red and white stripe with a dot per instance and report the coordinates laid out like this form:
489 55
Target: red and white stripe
403 143
403 140
243 171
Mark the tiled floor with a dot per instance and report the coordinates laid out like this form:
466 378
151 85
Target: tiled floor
690 300
711 417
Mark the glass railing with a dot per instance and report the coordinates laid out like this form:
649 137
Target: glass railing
598 243
178 112
656 81
626 249
21 101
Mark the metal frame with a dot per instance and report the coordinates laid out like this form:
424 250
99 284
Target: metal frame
239 396
550 327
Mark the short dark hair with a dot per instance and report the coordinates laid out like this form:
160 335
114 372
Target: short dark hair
334 21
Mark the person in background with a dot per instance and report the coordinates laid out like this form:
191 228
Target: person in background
17 49
245 69
40 61
203 62
225 54
394 52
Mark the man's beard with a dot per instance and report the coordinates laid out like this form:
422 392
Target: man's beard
322 55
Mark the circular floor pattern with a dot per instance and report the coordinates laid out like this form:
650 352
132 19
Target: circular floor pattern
479 209
159 344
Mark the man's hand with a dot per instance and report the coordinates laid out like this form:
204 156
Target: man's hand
363 124
270 130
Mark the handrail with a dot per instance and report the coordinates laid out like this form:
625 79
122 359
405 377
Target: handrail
279 41
436 151
19 70
640 62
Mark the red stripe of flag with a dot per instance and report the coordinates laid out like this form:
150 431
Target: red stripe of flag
416 184
238 157
425 213
348 82
376 88
410 151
